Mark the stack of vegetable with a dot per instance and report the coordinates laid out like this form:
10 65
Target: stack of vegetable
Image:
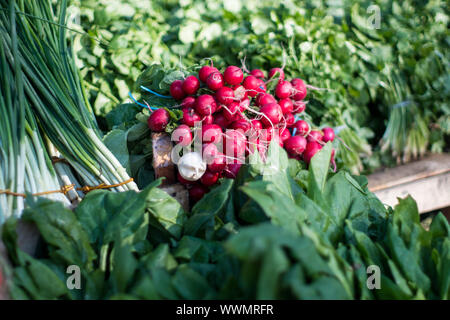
280 229
44 109
387 86
235 114
295 234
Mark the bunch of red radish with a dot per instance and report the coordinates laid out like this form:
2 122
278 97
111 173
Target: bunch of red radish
237 113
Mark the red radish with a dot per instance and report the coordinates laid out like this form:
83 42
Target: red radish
328 134
235 142
232 169
209 178
158 120
209 119
197 192
257 144
215 81
251 84
190 85
274 71
289 119
188 102
299 89
311 149
278 139
286 105
182 135
233 112
284 134
256 127
257 73
244 104
315 136
176 90
299 107
233 75
256 124
242 124
211 133
265 135
205 71
261 86
302 127
190 117
205 105
209 152
221 121
283 89
239 92
295 145
225 95
218 163
183 180
265 98
273 113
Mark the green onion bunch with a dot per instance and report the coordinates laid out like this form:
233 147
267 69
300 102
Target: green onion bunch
407 134
25 165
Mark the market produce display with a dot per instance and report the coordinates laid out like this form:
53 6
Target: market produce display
387 88
232 114
268 142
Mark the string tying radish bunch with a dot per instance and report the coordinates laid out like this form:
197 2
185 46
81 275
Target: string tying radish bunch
239 115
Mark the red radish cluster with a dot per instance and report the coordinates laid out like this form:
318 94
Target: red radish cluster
238 116
305 143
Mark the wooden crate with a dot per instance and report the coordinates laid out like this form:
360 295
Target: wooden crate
427 181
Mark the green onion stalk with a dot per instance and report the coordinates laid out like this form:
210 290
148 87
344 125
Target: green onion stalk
407 133
25 166
54 91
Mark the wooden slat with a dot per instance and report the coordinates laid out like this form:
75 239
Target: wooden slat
430 166
427 181
431 193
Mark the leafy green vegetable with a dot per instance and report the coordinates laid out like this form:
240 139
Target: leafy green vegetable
314 241
68 242
166 212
